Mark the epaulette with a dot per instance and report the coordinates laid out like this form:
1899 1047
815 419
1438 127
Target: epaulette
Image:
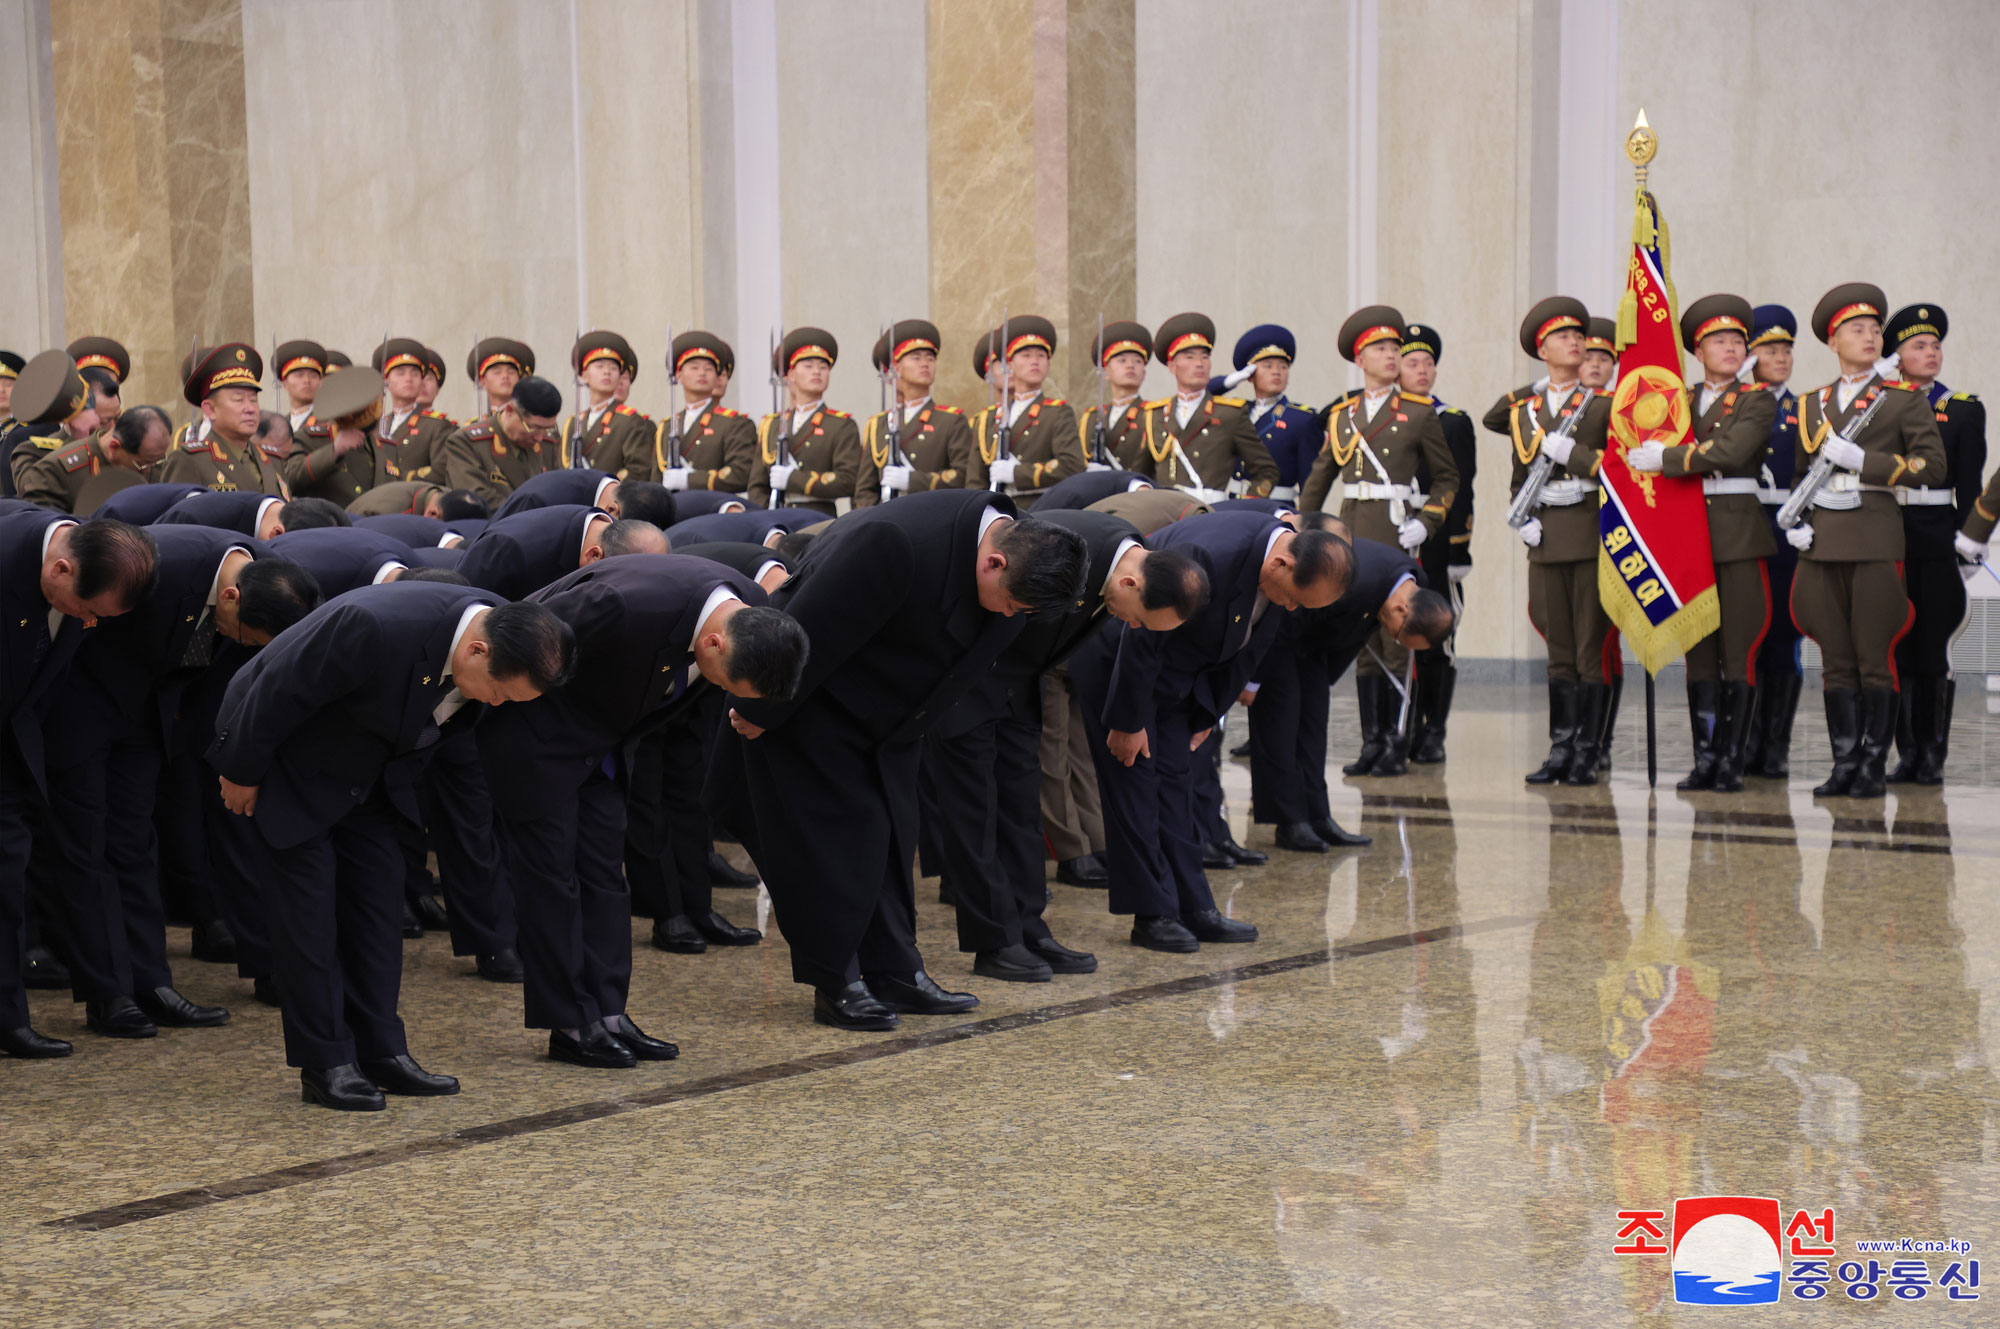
1904 384
1154 405
1345 397
480 432
623 409
726 413
314 429
75 458
954 410
436 415
838 415
1231 401
1752 386
1054 401
1965 396
47 444
1452 410
1418 398
194 444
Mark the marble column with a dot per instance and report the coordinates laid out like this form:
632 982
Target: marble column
154 183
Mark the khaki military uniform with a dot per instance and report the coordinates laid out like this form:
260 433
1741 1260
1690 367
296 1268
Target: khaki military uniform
56 479
1124 436
1406 438
1043 444
719 449
411 452
479 457
212 462
619 442
827 451
1217 437
1985 514
30 448
394 497
313 470
936 444
1150 509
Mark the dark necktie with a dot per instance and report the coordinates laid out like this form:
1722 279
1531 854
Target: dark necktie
201 646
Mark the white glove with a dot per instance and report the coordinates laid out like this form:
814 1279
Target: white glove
1003 470
1531 532
1097 466
1969 549
1238 377
1411 534
675 477
1799 537
781 476
1558 448
1845 455
1458 572
896 478
1647 458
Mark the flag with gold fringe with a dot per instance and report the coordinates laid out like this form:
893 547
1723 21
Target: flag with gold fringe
1655 574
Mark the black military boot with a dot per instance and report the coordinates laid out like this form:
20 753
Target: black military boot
1591 701
1780 705
1617 686
1878 727
1937 743
1368 690
1396 724
1843 731
1739 706
1435 687
1912 724
1562 733
1704 709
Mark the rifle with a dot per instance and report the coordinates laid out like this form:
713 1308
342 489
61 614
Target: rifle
1822 468
1002 424
1529 497
577 460
892 411
1100 455
673 412
479 398
781 425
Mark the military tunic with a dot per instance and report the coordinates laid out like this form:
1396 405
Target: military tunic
393 497
411 452
1043 442
27 448
56 479
1218 440
219 465
1124 436
936 444
478 457
315 470
619 442
1405 437
826 448
719 449
1726 449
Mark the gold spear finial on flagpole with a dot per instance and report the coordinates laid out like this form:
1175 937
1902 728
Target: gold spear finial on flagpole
1641 145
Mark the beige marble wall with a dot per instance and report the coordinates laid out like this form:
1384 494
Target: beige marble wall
31 304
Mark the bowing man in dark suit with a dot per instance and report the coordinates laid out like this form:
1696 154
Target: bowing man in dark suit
754 527
142 505
906 604
344 558
57 578
760 563
691 503
982 763
591 489
1079 491
1150 697
518 555
302 739
418 532
651 631
250 513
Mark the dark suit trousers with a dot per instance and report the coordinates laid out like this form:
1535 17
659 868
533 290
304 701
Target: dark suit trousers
335 904
1149 821
187 876
1205 795
575 909
987 786
458 813
235 849
666 829
18 798
1288 736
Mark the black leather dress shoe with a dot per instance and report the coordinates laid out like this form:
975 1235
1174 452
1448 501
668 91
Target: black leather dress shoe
1084 871
45 973
1329 830
264 990
644 1046
1210 925
918 994
119 1017
430 912
719 931
1216 856
1163 934
342 1088
1245 858
852 1007
26 1043
1241 749
1061 959
412 926
678 934
594 1046
402 1075
213 942
1012 964
500 967
1299 838
168 1007
722 873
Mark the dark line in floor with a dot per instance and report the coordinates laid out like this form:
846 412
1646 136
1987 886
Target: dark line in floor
1615 830
368 1160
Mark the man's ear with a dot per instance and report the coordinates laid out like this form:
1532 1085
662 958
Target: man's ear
230 593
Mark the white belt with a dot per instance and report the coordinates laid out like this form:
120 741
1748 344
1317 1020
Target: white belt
1925 498
1566 493
1843 490
1773 498
1718 484
1370 492
1285 493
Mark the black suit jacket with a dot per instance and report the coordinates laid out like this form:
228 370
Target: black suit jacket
341 558
141 505
319 713
692 503
748 527
518 555
226 510
1343 627
413 529
30 661
747 559
1080 491
550 488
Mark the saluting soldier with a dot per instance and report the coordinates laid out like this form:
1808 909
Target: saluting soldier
1195 440
407 439
1561 534
1446 556
717 446
1121 352
136 444
604 434
1780 674
503 448
822 446
935 440
1376 442
1847 594
1042 442
223 385
1725 447
1291 434
56 410
1932 515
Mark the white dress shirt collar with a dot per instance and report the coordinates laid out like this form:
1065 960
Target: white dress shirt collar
1117 555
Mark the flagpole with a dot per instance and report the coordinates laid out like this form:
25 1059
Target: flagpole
1652 735
1640 147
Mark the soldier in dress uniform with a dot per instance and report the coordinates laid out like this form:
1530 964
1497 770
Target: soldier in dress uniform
717 447
1767 748
1446 556
137 443
334 456
821 448
501 449
1195 440
1292 434
935 440
102 353
408 436
1376 442
1042 441
1600 355
1847 594
1122 351
299 366
338 360
1599 373
433 383
10 371
223 385
1932 515
56 411
497 365
1561 535
605 434
1725 447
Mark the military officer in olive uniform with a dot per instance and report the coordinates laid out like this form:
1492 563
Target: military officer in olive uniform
809 453
1195 440
935 441
1847 594
299 366
1446 556
495 365
10 373
1042 442
503 448
1725 447
407 438
1767 749
1121 351
1932 516
56 410
1292 434
434 376
102 353
223 384
706 445
604 434
131 449
1557 413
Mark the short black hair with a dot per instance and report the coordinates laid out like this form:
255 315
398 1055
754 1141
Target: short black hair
462 505
631 536
538 397
792 545
136 423
111 554
102 383
1431 617
443 576
647 500
314 514
526 640
1322 558
274 594
1323 521
767 650
1046 563
1173 581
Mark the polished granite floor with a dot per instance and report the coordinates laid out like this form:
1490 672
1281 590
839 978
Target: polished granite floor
1423 1097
